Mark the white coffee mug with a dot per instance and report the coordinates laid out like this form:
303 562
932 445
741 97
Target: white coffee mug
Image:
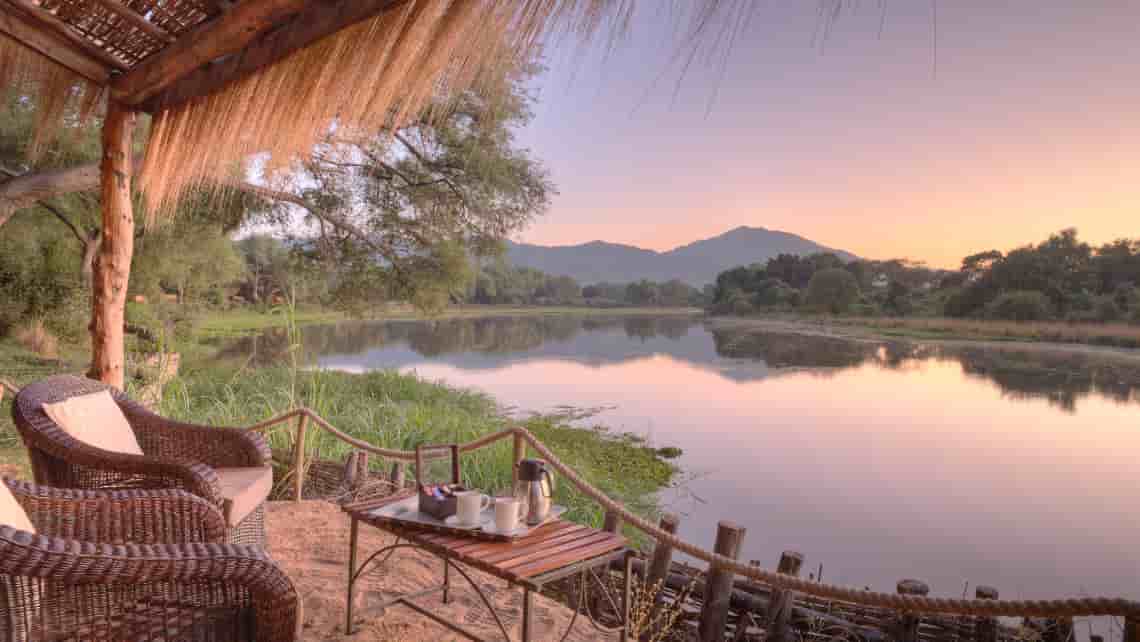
470 504
508 513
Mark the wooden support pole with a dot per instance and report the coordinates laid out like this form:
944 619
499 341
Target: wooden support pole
986 628
519 455
299 457
113 262
718 586
907 624
658 572
784 602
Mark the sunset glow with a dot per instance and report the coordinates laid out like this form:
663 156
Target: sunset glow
1022 123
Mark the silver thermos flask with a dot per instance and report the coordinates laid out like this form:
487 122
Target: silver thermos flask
538 486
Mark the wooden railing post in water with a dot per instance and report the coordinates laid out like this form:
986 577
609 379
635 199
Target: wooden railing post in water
519 455
783 602
986 628
907 624
1058 630
659 571
1131 629
718 584
299 457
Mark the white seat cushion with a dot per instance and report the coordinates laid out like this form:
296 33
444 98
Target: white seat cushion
246 488
11 513
96 420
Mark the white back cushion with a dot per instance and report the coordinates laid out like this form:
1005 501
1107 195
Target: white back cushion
96 420
11 513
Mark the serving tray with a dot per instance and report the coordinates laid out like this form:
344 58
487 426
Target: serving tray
407 512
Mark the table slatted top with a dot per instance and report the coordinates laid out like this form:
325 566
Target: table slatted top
548 548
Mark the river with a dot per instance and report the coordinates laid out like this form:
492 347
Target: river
878 460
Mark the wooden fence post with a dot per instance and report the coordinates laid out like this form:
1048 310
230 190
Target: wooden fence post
986 628
519 455
907 624
782 601
658 572
397 476
718 584
1132 629
299 458
612 522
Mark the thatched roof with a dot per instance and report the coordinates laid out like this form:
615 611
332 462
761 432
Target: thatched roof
227 79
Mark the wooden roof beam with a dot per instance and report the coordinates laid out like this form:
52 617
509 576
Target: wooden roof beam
48 44
135 20
224 35
316 21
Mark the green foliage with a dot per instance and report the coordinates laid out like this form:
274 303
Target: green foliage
187 257
833 289
40 274
1021 305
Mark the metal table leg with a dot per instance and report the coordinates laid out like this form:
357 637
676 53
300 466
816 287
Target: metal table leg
526 614
351 577
446 580
627 601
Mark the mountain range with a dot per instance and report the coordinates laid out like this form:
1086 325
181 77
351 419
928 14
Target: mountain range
697 263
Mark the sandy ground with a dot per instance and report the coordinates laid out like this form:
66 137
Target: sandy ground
310 541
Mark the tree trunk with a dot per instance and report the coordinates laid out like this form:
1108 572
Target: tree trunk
90 247
113 263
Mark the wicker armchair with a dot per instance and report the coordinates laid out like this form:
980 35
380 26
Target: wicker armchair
77 578
206 461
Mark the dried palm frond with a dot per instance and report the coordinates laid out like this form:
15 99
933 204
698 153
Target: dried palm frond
408 62
59 92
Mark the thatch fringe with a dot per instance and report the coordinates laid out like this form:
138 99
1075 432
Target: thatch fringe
405 63
62 96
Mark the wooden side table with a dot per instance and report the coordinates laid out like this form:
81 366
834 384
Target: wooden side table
552 552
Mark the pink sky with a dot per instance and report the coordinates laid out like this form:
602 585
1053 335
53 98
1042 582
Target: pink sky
1028 125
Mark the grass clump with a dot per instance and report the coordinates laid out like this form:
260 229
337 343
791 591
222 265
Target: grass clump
394 410
38 339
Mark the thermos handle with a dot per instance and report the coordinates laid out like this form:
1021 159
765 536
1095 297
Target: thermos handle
549 478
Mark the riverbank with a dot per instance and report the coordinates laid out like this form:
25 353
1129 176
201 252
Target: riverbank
247 321
1109 337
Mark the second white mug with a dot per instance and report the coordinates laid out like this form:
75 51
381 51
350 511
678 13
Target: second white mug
508 514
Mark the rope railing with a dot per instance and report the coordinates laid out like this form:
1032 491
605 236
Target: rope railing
1072 607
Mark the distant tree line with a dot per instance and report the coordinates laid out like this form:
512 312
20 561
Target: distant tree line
502 283
1061 278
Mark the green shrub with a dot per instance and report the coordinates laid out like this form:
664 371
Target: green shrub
834 290
1020 305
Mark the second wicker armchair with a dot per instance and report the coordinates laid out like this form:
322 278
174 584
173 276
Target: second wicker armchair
75 578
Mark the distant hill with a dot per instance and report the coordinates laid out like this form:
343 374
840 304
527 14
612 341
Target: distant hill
696 263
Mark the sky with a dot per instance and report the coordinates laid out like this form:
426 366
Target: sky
926 131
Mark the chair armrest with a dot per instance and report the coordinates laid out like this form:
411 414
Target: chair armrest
201 576
115 517
220 447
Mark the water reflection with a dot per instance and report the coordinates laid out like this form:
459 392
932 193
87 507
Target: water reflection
880 459
738 353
